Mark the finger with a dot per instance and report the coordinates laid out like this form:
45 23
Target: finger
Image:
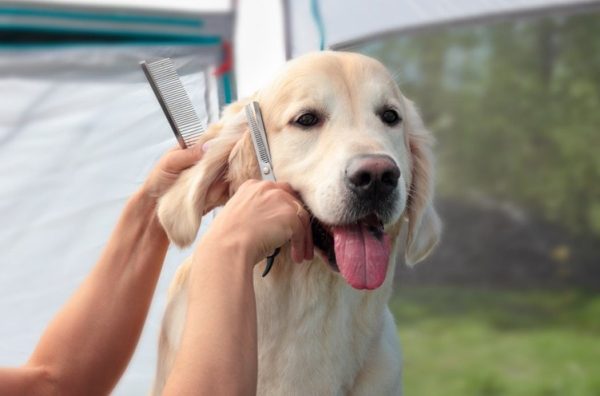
304 217
297 243
253 185
309 249
298 233
306 250
176 160
287 188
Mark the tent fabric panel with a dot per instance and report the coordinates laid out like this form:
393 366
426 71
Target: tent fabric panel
162 6
80 129
350 21
111 20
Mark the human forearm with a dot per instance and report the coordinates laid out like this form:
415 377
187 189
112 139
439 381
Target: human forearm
87 345
26 381
90 341
217 354
218 351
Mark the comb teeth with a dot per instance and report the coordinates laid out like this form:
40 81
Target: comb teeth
174 101
262 150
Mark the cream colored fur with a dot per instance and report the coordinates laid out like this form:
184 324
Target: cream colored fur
316 334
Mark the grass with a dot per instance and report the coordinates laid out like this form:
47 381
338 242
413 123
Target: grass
462 342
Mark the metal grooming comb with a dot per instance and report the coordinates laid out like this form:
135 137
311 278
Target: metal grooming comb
261 148
174 101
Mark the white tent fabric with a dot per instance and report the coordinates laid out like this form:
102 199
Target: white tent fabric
79 131
340 24
90 17
193 6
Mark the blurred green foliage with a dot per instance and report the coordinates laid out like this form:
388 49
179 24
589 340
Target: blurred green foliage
491 343
515 107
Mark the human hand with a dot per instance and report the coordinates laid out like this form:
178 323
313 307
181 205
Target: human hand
168 169
263 216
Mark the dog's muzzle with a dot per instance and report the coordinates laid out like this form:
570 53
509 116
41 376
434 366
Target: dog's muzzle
372 182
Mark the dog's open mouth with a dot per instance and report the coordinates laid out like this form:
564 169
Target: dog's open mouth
359 251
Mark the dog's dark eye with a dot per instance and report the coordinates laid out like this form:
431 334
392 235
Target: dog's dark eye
390 117
307 120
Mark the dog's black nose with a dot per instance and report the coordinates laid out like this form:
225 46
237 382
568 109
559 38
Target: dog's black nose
371 175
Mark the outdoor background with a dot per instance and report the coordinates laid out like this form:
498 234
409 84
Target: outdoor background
509 304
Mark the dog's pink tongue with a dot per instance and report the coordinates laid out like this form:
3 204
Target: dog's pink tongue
361 257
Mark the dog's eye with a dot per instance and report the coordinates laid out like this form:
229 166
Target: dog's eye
307 120
390 117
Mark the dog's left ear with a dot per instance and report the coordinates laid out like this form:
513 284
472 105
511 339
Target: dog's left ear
212 180
424 226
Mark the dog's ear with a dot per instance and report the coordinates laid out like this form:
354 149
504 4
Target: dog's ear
424 225
210 182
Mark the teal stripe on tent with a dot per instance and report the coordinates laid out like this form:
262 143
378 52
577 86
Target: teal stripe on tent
131 37
75 44
137 35
102 17
316 14
227 92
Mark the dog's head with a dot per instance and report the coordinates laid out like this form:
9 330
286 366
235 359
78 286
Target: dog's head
343 136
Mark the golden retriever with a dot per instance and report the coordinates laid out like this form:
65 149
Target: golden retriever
355 149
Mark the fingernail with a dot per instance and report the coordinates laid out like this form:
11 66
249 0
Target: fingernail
205 146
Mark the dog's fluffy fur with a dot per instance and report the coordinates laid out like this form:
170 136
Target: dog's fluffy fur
316 334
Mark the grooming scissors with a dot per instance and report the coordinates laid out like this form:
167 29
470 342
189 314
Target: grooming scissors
263 155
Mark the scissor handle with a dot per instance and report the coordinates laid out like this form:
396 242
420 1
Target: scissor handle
270 261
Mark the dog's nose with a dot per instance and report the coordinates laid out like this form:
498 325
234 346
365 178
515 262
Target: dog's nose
368 175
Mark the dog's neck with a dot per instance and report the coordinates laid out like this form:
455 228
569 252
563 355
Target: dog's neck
294 292
307 313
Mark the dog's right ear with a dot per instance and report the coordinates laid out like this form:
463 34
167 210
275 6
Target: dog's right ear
424 226
204 185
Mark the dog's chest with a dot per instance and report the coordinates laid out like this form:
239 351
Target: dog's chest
313 333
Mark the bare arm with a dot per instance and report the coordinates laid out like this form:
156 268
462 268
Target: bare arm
218 352
88 344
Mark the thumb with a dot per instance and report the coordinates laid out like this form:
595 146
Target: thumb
180 159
